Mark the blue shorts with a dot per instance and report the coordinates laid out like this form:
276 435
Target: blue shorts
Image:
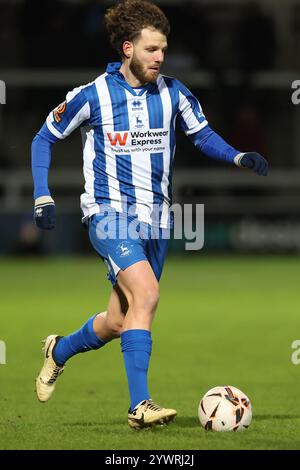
121 240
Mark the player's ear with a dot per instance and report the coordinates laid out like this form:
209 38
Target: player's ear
127 49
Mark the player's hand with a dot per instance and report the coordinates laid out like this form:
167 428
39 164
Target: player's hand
255 162
44 212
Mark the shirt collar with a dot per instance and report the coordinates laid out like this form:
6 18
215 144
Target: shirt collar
113 69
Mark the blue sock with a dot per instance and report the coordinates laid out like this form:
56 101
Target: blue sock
136 347
82 340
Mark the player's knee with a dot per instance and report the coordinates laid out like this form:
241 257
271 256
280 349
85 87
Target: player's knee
115 327
146 299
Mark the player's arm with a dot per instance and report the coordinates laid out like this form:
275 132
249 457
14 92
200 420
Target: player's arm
212 145
44 207
59 124
195 125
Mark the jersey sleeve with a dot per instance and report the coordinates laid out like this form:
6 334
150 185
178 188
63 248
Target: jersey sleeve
190 115
70 114
212 145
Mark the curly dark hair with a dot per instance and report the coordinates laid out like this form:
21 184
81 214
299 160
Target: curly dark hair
126 20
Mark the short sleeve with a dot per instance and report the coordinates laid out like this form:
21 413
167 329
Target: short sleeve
190 114
70 114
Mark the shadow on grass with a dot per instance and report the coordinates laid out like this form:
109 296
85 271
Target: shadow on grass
183 422
180 421
88 424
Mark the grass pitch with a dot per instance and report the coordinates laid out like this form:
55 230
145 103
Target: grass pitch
220 321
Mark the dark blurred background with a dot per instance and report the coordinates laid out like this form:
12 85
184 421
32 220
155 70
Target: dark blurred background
239 58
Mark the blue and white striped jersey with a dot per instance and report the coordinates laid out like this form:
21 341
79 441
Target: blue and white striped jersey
128 140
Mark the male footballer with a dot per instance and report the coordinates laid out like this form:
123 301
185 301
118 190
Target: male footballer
128 118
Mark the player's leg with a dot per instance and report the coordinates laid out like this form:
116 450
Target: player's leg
141 288
142 291
101 328
94 334
148 412
108 324
129 267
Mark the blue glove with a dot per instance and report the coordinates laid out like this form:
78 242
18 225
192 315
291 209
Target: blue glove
44 212
255 162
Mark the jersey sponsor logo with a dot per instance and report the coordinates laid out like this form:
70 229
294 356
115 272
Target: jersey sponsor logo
138 139
117 138
59 111
148 138
149 134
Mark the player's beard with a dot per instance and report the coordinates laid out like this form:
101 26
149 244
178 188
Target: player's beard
139 70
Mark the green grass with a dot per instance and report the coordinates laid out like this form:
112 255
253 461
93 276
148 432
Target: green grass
220 321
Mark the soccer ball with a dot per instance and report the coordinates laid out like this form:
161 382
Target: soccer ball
225 409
